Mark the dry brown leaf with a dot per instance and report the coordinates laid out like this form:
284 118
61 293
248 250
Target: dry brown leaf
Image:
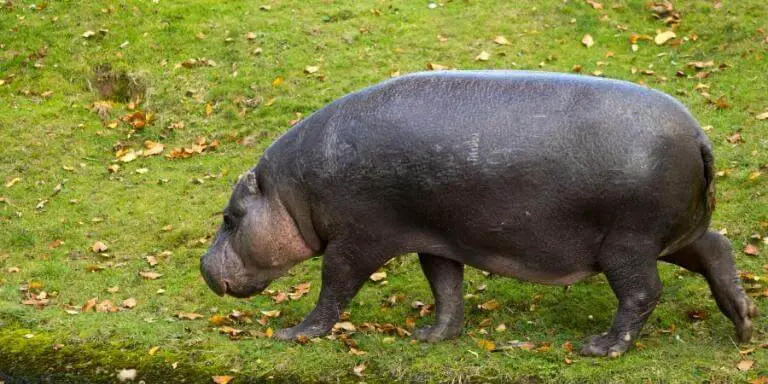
150 275
310 69
12 182
745 365
222 379
13 270
752 250
89 305
106 306
152 148
272 313
587 40
489 305
378 276
129 303
279 297
762 116
188 315
501 40
358 370
98 247
436 67
594 4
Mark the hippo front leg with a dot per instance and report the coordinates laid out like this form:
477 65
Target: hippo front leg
343 275
446 278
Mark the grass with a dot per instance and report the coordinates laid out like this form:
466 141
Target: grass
56 138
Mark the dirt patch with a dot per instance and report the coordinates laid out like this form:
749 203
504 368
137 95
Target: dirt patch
120 86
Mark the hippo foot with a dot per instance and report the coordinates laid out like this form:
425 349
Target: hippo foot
299 332
435 333
607 344
745 328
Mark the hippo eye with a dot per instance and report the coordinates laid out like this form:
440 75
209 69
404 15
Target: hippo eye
229 221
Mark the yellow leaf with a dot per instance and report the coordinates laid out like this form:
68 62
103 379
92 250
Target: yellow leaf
152 148
208 110
483 56
587 40
153 350
436 67
754 175
663 37
222 379
269 332
378 276
486 344
127 156
311 69
501 40
12 182
277 81
762 116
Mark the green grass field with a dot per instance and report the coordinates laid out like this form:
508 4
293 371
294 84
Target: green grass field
84 83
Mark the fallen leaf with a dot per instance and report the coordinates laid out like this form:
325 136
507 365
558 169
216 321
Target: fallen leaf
489 305
701 64
208 109
152 261
378 276
13 270
89 305
345 326
501 40
436 67
754 175
486 344
88 34
152 351
188 316
594 4
250 36
222 379
762 116
272 313
99 247
501 327
483 56
277 81
55 244
587 40
127 156
735 138
150 275
129 303
751 250
664 37
310 69
152 148
745 365
113 168
106 306
114 289
127 375
12 182
216 320
358 370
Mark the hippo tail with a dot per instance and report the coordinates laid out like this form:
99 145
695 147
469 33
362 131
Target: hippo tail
709 172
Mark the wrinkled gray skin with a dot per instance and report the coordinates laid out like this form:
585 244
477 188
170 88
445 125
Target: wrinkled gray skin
543 177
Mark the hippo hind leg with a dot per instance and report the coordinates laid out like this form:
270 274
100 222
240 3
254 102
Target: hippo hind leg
629 263
445 278
710 256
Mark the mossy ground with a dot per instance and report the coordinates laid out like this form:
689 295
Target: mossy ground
56 138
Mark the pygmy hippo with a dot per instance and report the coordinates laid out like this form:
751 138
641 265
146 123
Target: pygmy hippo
548 178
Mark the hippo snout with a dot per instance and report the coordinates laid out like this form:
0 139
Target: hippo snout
212 276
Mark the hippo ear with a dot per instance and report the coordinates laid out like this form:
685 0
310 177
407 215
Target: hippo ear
251 182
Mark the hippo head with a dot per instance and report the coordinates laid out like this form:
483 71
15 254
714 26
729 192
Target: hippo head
257 242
